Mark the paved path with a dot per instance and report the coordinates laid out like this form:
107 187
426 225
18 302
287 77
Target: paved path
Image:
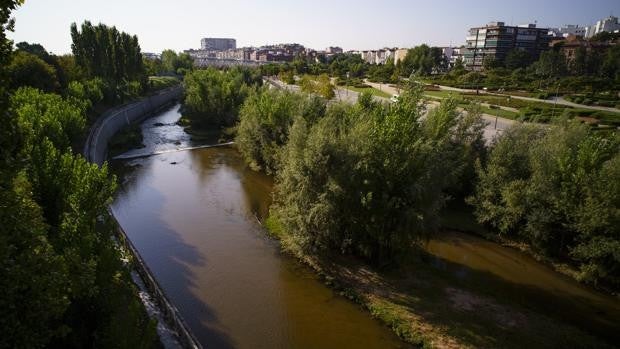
495 125
558 100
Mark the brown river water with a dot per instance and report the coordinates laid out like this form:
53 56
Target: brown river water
193 216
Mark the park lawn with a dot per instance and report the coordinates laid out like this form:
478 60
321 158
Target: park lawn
372 90
157 83
442 94
506 114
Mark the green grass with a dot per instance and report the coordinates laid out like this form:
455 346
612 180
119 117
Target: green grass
442 94
157 83
372 90
506 114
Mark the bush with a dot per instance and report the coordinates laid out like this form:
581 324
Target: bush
558 189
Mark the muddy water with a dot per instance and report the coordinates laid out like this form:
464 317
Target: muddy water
193 217
516 277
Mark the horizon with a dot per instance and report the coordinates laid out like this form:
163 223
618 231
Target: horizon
372 27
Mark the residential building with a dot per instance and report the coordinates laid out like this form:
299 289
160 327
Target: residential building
609 24
496 39
376 56
333 50
400 54
218 44
571 44
569 29
452 55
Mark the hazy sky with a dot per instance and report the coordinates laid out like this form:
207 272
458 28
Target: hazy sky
351 24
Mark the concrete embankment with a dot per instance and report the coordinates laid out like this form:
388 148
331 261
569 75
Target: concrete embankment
172 329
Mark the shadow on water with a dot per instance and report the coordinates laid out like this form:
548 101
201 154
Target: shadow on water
490 310
168 257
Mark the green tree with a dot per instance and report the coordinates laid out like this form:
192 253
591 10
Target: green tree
557 189
369 179
27 69
213 97
517 58
265 120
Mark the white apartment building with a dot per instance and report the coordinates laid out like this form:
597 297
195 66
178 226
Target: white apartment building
609 24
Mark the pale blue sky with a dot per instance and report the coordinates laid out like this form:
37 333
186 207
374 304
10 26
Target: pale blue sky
351 24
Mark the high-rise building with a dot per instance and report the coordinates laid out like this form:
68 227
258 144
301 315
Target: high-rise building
609 24
496 39
218 44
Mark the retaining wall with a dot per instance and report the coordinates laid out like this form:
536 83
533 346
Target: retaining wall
95 151
112 121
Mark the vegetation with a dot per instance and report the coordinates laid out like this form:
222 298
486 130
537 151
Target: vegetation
171 62
265 120
321 86
157 83
63 282
213 97
556 189
105 53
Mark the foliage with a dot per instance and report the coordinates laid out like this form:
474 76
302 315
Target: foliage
265 121
370 179
104 52
171 62
517 58
557 189
213 97
62 279
422 60
29 70
320 86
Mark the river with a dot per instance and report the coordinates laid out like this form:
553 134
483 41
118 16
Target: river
193 216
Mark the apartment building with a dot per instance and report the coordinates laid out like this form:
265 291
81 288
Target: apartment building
609 24
218 44
496 39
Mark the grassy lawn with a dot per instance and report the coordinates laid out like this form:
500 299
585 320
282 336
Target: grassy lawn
506 114
442 94
372 90
157 83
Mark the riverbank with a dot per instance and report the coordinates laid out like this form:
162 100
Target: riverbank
425 303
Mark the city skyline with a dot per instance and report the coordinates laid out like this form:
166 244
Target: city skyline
348 24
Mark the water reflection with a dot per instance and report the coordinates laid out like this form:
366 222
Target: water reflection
192 215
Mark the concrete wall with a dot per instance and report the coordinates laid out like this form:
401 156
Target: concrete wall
95 151
112 121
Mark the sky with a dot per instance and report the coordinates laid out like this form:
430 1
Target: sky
350 24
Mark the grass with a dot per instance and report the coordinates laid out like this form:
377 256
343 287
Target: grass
528 110
372 90
157 83
429 306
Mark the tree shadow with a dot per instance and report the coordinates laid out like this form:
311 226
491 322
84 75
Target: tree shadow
169 258
490 311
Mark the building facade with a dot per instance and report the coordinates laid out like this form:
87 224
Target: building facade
496 39
609 24
218 44
567 30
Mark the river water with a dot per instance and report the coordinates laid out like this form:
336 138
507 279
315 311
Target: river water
193 216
